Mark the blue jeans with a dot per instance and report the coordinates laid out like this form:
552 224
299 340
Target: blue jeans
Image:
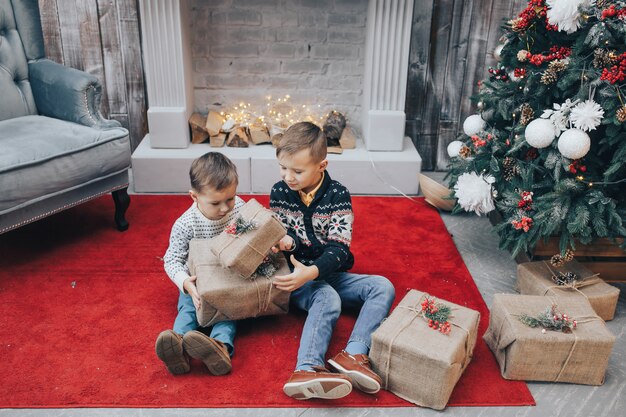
186 320
323 298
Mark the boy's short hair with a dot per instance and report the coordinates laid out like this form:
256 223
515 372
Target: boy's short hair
213 170
303 135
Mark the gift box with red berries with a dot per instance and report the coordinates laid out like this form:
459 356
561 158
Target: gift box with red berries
568 280
226 295
537 338
245 243
427 337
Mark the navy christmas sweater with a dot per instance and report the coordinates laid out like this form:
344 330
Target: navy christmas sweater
323 230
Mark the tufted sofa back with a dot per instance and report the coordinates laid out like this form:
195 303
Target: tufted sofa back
21 40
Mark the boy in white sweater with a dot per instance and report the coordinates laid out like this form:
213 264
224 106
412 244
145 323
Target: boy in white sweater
215 205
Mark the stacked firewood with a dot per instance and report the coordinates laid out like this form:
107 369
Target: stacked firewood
220 131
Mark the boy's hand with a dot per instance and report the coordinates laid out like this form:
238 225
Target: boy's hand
301 275
190 286
285 244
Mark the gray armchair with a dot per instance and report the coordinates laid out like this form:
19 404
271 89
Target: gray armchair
56 149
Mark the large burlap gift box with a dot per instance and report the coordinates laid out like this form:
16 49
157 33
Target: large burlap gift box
530 354
226 295
243 253
417 363
535 278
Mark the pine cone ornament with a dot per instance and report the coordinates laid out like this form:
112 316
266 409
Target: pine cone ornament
557 65
511 169
621 114
465 152
526 114
558 260
549 77
517 25
603 58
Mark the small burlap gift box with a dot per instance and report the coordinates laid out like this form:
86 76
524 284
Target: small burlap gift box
417 363
532 354
244 252
226 295
535 278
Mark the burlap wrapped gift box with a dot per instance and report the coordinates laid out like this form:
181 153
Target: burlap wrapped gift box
417 363
226 295
529 354
535 278
243 253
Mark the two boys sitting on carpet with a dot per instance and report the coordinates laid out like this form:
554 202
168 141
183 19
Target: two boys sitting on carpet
317 213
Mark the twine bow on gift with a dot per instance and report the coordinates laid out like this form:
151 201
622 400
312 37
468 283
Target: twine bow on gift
575 285
418 314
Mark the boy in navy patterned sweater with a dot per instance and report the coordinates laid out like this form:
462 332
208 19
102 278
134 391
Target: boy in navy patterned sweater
317 213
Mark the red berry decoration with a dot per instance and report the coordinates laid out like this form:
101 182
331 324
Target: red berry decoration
437 315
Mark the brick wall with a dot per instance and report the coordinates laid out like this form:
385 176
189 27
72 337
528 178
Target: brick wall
312 50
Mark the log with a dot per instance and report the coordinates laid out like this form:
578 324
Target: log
218 140
276 133
238 138
276 139
348 138
334 149
259 134
198 132
333 128
214 123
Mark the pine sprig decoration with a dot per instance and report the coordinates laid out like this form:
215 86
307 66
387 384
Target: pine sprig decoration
268 267
550 319
437 315
240 226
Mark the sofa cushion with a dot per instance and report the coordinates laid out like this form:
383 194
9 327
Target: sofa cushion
17 97
41 156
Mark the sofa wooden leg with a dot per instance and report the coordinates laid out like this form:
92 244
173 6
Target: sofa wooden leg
122 201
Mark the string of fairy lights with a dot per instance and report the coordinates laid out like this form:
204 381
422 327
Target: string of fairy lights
278 112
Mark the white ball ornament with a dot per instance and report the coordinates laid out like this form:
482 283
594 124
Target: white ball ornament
574 143
473 125
540 133
454 148
497 53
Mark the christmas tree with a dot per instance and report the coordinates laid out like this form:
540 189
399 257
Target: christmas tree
548 147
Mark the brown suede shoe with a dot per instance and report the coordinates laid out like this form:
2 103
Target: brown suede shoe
212 352
357 368
169 348
319 383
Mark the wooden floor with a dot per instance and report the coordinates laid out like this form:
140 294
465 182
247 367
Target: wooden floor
494 272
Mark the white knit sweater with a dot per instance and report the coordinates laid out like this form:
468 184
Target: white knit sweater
192 225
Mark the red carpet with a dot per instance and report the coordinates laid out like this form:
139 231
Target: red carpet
81 305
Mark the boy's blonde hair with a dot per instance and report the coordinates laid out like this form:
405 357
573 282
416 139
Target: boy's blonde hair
212 170
303 135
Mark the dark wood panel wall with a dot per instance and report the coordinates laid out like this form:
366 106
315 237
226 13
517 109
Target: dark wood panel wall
101 37
452 45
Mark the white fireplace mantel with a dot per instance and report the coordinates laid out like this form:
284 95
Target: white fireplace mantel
161 161
167 60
